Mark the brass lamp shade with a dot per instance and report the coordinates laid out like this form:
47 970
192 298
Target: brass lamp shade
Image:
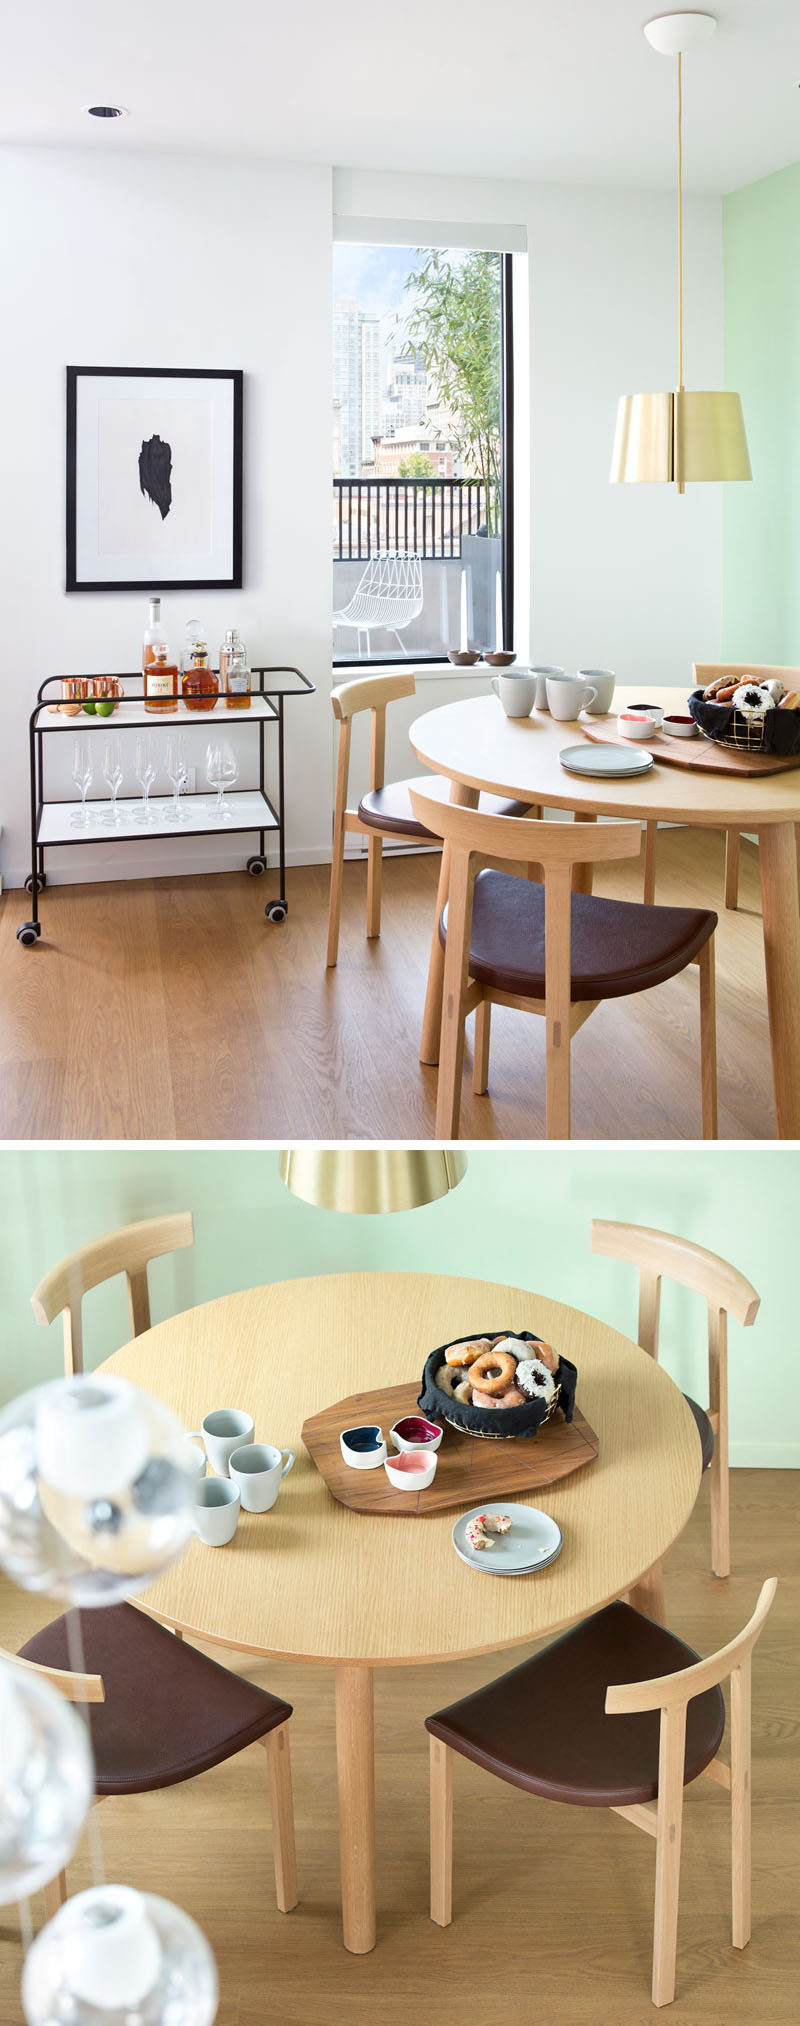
680 437
370 1181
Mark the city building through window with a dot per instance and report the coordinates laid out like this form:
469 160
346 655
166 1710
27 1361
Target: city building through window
422 434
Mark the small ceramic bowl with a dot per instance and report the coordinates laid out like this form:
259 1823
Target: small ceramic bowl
414 1432
463 657
654 711
363 1448
635 725
412 1470
680 727
498 657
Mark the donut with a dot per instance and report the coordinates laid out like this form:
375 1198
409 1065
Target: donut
463 1392
545 1355
791 702
513 1398
494 1522
535 1379
752 701
475 1535
466 1353
493 1372
445 1380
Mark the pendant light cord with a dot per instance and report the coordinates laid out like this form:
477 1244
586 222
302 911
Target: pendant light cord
680 224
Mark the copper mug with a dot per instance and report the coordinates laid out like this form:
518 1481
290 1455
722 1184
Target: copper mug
105 685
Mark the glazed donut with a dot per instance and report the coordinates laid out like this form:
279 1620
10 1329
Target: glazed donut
545 1354
536 1381
493 1372
466 1353
513 1398
463 1392
445 1380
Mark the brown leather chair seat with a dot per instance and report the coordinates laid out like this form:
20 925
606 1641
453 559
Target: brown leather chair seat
390 809
543 1727
618 946
169 1712
704 1430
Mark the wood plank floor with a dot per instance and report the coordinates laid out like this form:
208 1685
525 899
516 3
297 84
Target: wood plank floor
552 1906
166 1010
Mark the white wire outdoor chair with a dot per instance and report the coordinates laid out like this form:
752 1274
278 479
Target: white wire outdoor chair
388 595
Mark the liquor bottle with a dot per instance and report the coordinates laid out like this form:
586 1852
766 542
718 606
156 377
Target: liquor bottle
232 645
160 680
154 634
199 683
237 681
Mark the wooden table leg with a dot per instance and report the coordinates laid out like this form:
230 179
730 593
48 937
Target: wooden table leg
466 798
355 1764
778 863
647 1595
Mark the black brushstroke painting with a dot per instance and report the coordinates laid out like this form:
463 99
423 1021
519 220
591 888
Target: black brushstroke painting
155 471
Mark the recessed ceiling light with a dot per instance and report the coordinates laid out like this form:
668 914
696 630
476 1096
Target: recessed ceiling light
107 112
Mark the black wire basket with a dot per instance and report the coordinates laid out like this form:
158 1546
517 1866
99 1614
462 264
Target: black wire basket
502 1423
774 731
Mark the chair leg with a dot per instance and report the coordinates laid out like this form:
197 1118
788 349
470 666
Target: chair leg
650 834
708 1041
740 1803
55 1893
456 970
337 855
441 1833
279 1768
731 868
480 1060
374 873
668 1851
720 1480
557 1080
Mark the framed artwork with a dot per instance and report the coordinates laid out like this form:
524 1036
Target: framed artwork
154 479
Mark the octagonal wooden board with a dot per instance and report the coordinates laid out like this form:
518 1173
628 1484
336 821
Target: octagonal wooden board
699 752
470 1467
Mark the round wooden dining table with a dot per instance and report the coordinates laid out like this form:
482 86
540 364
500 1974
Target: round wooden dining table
479 749
353 1591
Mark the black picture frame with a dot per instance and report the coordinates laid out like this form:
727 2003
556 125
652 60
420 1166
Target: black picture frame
153 581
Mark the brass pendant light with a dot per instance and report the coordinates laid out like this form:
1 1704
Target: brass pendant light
679 437
371 1180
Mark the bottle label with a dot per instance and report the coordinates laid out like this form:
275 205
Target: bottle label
159 684
237 684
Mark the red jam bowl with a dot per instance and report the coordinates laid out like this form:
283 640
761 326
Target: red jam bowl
414 1432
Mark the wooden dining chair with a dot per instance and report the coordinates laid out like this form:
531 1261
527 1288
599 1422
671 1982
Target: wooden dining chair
159 1713
617 1714
545 949
127 1251
660 1255
704 672
385 811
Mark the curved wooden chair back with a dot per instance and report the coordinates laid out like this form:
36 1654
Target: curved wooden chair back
474 840
662 1255
74 1687
372 693
671 1694
127 1251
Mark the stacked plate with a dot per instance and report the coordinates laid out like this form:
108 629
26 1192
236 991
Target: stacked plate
606 763
532 1542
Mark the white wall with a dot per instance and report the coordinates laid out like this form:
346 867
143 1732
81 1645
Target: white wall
134 259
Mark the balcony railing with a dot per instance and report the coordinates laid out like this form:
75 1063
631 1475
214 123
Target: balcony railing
421 516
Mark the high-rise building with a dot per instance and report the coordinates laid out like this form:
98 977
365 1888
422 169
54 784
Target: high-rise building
356 386
406 398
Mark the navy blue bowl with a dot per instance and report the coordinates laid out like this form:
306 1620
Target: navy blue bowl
362 1439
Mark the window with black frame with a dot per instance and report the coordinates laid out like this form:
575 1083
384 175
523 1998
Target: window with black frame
422 452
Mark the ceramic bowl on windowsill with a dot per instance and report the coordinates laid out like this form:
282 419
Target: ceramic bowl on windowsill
463 657
498 657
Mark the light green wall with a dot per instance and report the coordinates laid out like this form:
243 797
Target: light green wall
519 1217
761 577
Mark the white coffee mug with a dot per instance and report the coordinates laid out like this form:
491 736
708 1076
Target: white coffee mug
603 680
541 673
215 1513
193 1458
256 1471
516 688
568 694
223 1431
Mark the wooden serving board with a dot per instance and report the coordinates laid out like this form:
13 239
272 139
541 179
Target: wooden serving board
697 752
470 1467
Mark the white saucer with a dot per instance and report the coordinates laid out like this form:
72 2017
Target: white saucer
607 763
533 1541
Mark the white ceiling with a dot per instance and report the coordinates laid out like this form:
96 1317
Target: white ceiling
556 90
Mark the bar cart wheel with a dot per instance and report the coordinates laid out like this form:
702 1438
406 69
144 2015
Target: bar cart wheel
256 866
276 910
27 933
34 883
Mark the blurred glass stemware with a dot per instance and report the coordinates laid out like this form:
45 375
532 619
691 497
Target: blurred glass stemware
112 771
145 775
222 771
176 772
82 776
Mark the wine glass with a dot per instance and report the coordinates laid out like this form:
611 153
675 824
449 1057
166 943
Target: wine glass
112 771
176 771
222 770
230 770
82 777
145 775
